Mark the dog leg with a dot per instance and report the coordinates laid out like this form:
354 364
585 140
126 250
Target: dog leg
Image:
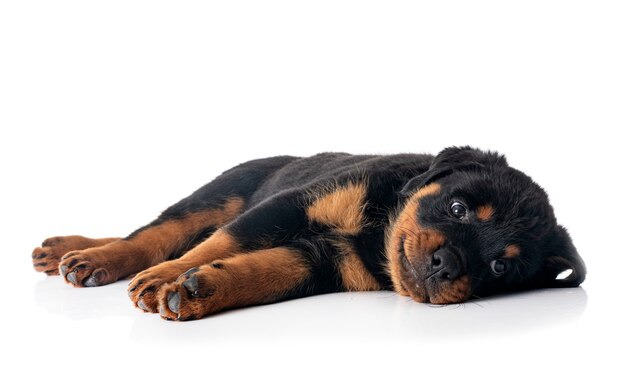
259 277
47 257
317 226
151 245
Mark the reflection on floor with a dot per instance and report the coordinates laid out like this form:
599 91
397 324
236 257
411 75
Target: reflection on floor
343 315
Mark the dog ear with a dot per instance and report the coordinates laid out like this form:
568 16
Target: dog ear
454 159
562 257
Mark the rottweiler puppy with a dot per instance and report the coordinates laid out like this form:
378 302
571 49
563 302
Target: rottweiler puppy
441 229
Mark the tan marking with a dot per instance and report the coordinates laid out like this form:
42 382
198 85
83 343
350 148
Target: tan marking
354 275
75 242
418 241
259 277
429 190
217 246
459 290
342 209
484 212
155 244
171 236
47 257
511 251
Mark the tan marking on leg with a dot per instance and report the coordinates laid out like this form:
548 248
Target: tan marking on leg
148 247
160 241
342 209
76 242
484 213
219 245
47 257
259 277
354 275
143 287
511 251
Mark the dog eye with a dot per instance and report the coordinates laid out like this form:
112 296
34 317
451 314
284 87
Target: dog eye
498 267
458 210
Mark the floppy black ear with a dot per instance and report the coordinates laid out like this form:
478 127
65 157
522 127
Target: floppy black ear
453 159
562 257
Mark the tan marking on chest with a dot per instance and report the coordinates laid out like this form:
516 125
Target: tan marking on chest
354 276
341 209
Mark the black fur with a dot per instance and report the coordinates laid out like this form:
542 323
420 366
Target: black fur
441 229
523 216
278 190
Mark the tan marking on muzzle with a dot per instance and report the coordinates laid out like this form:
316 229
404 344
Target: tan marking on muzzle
417 239
456 292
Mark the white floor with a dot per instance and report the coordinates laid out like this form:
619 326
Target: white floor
57 335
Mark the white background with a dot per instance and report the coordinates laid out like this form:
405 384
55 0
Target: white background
110 111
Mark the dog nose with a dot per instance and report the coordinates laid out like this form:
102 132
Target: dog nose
446 264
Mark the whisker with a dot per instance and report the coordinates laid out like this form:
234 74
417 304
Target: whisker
474 302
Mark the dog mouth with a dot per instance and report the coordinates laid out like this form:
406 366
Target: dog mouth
411 280
426 285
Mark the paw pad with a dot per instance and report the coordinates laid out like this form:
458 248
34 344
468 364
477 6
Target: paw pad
187 274
173 301
96 278
71 277
191 284
142 305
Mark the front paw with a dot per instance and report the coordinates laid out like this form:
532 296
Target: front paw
47 257
195 293
144 288
85 268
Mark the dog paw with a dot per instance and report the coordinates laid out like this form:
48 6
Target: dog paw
195 294
144 288
47 257
85 268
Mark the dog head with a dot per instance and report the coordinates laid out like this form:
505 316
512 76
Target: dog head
473 226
